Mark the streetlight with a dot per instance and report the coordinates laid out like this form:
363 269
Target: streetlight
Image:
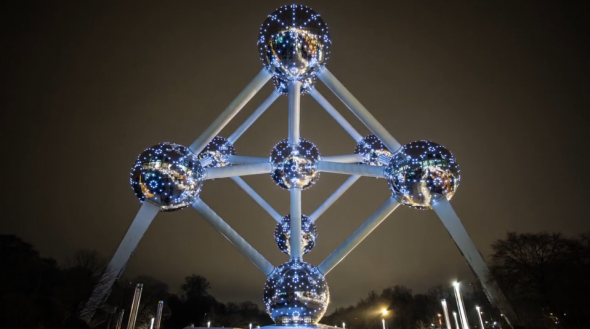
152 324
446 311
383 321
456 321
439 319
479 314
250 325
208 324
343 325
460 305
384 311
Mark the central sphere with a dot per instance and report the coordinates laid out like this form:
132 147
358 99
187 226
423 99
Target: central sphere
309 234
217 153
168 175
421 172
296 293
294 42
294 166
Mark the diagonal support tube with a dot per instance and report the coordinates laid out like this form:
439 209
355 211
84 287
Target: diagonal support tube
244 247
232 171
332 198
253 117
358 236
230 111
351 169
345 158
295 224
336 115
261 202
240 159
359 110
453 224
139 226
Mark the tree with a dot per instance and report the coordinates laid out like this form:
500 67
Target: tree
195 286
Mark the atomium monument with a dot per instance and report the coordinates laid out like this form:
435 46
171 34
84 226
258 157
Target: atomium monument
294 46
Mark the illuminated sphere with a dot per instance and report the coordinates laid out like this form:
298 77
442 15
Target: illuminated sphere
295 166
421 172
374 151
309 234
282 86
216 153
168 175
296 293
294 42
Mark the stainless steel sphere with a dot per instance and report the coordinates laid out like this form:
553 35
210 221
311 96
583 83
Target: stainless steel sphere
296 293
294 42
421 172
168 175
373 151
294 166
282 85
309 234
216 153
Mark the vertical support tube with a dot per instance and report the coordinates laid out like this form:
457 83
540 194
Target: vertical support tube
135 306
332 198
295 223
336 115
120 320
461 306
261 202
253 117
294 107
358 236
359 110
159 314
230 111
446 312
456 321
244 247
453 224
140 224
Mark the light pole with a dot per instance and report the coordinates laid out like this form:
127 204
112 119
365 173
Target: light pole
383 321
439 320
343 325
208 324
456 321
152 323
446 311
250 325
479 314
460 305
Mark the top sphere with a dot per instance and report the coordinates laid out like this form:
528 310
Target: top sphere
217 153
421 172
294 42
168 175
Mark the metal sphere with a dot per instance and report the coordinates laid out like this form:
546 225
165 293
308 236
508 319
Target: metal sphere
296 293
168 175
374 152
421 172
309 234
217 153
282 85
294 42
294 166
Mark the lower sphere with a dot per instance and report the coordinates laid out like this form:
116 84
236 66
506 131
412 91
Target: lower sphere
168 175
296 293
309 234
294 166
421 172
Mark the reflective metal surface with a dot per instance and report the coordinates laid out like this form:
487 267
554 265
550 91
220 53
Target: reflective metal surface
373 151
216 153
296 293
295 166
168 175
282 85
421 171
309 234
294 42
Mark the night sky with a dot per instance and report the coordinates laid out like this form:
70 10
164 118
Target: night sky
88 85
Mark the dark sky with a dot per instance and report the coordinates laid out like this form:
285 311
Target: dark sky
87 85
